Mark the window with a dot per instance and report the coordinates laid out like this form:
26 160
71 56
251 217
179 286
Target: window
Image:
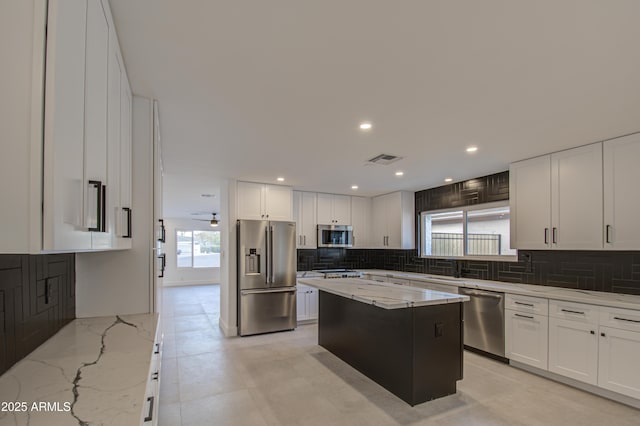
474 231
198 249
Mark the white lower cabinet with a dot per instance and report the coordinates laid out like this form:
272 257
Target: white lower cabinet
307 303
527 330
619 351
573 340
151 403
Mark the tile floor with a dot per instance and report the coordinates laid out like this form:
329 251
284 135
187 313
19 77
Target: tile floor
287 379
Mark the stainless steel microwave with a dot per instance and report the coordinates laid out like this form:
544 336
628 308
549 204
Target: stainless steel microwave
335 236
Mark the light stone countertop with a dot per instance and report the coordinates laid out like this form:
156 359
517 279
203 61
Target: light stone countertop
383 295
615 300
93 371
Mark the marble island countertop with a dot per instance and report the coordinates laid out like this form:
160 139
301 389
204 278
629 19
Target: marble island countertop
93 371
616 300
383 295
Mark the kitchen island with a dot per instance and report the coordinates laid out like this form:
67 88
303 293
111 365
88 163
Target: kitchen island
408 340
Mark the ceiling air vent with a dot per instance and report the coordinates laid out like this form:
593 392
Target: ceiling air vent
384 159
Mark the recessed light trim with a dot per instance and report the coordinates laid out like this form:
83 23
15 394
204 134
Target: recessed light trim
365 125
399 173
472 149
280 179
448 180
354 187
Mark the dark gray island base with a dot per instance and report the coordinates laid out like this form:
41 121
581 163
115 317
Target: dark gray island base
413 352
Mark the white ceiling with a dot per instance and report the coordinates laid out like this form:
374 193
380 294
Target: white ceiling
256 89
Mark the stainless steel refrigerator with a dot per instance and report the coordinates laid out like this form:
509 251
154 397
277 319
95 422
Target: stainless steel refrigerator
266 276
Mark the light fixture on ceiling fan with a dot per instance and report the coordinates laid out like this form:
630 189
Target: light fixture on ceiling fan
213 222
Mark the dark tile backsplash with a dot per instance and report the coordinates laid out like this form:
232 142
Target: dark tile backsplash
617 272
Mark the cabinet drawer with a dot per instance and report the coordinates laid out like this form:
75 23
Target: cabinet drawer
624 319
534 305
574 311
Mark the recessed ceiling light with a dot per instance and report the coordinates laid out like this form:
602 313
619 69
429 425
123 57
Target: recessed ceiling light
280 179
207 195
354 187
472 149
399 173
448 180
365 126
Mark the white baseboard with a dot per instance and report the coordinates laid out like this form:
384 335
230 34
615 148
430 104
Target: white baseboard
185 283
605 393
226 330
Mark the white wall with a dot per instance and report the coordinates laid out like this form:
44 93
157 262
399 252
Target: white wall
121 282
228 286
174 276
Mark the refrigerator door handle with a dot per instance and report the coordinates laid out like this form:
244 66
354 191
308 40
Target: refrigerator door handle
274 290
267 253
271 254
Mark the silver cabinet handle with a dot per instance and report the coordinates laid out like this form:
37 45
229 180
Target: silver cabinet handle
274 290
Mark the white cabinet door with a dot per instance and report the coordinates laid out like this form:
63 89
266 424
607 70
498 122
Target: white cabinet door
393 204
125 219
334 209
618 364
621 201
95 124
325 209
278 202
576 198
63 183
573 349
250 201
312 303
379 222
342 209
526 338
530 203
114 135
304 206
302 313
361 221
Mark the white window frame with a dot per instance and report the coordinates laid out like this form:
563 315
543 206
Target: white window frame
192 248
464 210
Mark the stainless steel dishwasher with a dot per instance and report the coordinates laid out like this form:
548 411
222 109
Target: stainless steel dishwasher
484 320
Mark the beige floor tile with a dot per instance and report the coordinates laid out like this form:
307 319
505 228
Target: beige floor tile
228 409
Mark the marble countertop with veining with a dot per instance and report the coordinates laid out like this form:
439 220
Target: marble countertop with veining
615 300
383 295
93 371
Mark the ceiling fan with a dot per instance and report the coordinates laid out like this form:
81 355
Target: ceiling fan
213 221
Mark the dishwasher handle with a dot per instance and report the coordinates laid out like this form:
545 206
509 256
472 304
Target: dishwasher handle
467 292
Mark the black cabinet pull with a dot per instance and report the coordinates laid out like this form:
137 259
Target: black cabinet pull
523 316
97 186
572 312
603 335
555 235
626 319
128 211
157 351
607 238
163 264
150 412
155 375
46 291
546 235
592 332
524 304
103 209
162 237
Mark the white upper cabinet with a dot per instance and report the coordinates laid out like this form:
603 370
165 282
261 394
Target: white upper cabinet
556 200
64 189
304 213
258 201
621 201
361 221
393 220
334 209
